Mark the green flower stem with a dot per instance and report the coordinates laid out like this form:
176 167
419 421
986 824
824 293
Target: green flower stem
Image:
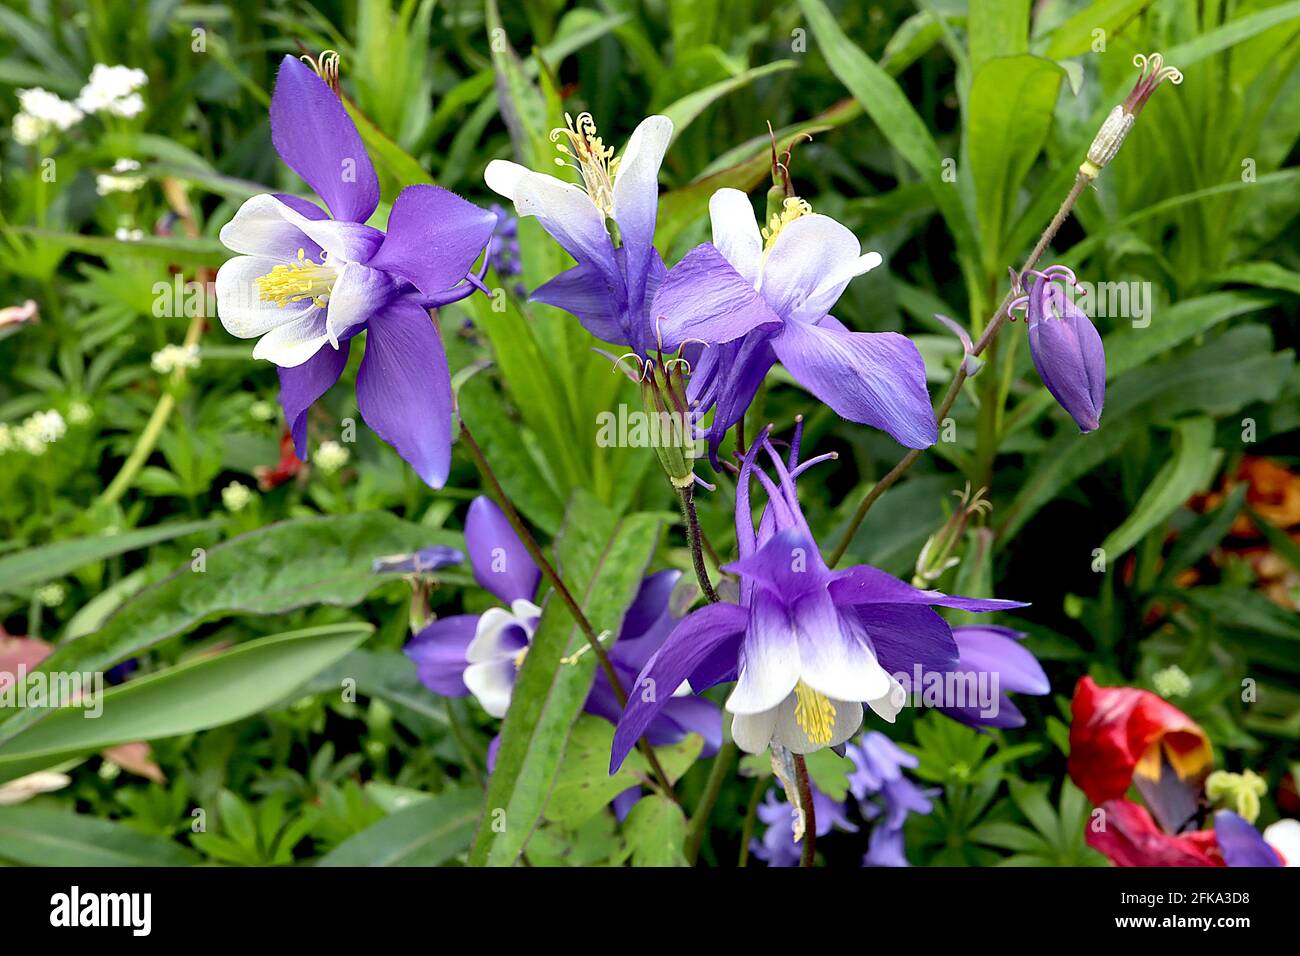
985 340
751 817
152 430
694 540
548 571
712 788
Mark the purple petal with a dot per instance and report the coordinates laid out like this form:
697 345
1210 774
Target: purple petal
705 298
863 584
500 561
993 650
404 389
687 715
686 648
303 384
787 565
875 378
905 635
1240 843
434 238
585 292
317 139
439 654
729 377
420 562
303 207
1068 355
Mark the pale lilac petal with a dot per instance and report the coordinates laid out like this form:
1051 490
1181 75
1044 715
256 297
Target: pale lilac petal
585 292
834 656
295 340
434 238
439 654
823 298
704 298
997 650
689 645
303 385
499 559
404 389
735 232
875 378
267 226
317 139
1241 843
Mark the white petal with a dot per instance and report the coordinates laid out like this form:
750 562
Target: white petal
244 314
834 656
502 177
264 226
735 232
492 683
805 255
567 213
769 659
1284 836
636 183
493 624
788 733
524 610
294 342
753 732
355 297
888 705
832 287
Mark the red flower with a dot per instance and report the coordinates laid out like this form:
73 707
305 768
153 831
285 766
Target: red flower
1119 731
288 466
1128 836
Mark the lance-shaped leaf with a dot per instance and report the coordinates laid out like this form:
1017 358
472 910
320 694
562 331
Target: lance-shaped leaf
601 558
427 833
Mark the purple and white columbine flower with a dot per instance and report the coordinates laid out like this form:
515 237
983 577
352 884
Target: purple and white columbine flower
612 284
752 298
306 282
1065 346
481 654
807 646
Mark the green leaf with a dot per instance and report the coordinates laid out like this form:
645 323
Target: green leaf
894 116
1192 467
193 696
38 836
1009 836
601 558
38 565
174 249
1265 275
584 785
997 28
686 110
1012 101
655 831
284 566
1077 34
1207 531
1231 33
426 833
1129 348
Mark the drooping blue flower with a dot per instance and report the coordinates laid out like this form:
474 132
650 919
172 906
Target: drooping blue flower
481 654
742 302
305 282
1066 347
609 289
806 646
885 795
777 847
985 651
1241 844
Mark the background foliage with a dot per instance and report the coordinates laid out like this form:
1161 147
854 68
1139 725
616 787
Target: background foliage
238 668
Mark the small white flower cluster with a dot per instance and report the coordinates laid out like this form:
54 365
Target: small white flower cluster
117 182
110 89
40 112
125 234
52 594
1172 681
36 432
330 457
236 496
113 89
262 410
172 357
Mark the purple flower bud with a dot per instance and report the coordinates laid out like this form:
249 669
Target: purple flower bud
1067 351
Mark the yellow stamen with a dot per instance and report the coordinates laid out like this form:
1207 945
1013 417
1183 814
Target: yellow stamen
595 161
519 658
793 208
297 281
814 713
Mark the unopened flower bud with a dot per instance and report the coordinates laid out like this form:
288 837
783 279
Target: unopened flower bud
1121 119
1066 348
